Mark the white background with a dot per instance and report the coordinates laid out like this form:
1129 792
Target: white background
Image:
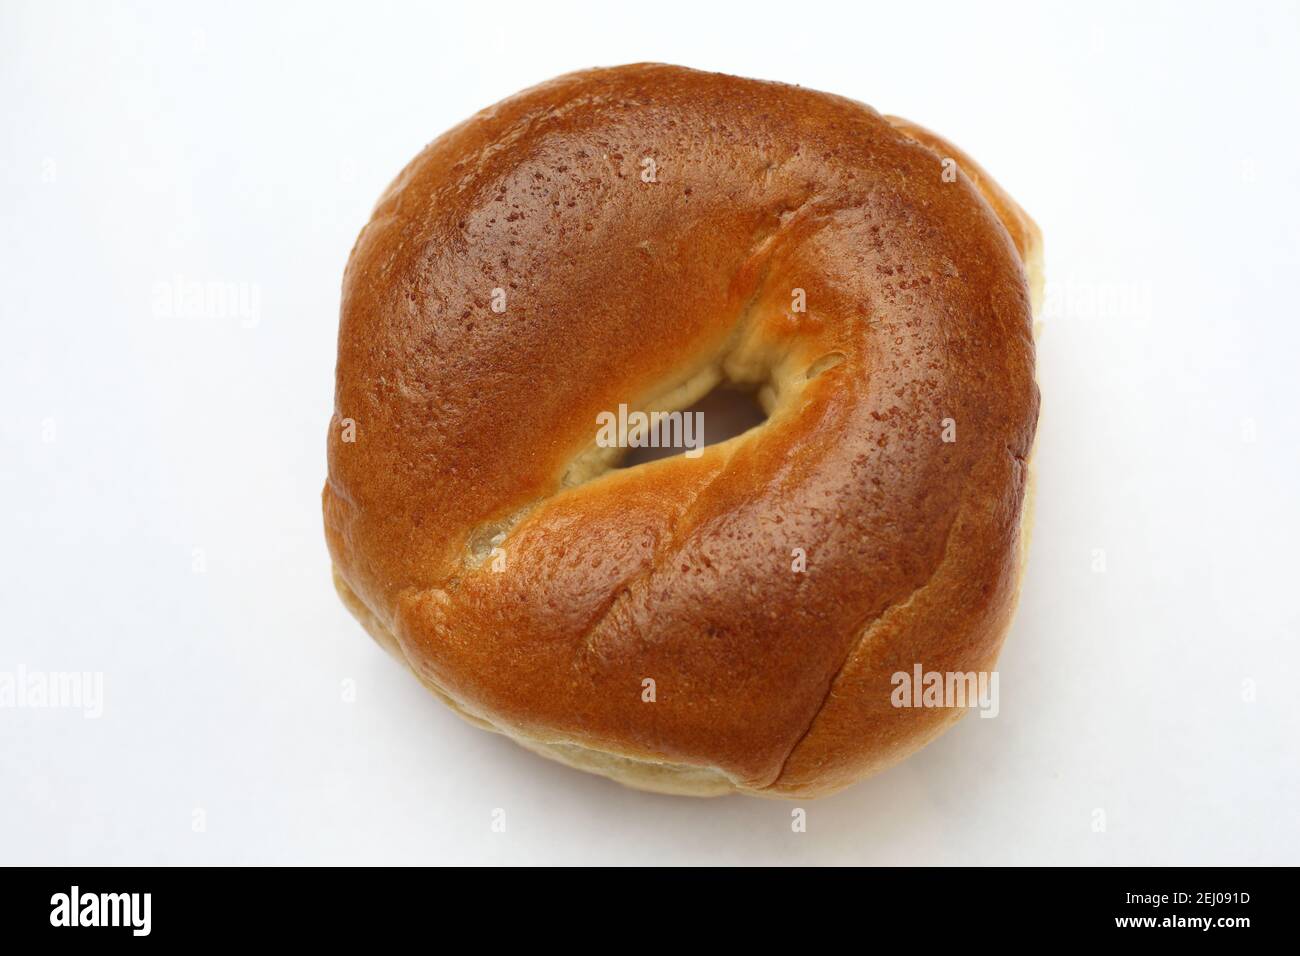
146 146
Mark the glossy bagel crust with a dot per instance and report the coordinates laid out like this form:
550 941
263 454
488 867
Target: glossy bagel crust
482 537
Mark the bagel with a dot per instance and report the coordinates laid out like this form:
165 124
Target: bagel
729 620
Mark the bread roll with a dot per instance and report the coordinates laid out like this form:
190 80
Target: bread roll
721 620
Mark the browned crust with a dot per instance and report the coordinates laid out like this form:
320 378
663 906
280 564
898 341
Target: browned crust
619 290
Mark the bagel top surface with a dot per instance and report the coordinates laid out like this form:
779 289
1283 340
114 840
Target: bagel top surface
472 512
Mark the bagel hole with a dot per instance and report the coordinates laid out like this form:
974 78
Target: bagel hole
727 411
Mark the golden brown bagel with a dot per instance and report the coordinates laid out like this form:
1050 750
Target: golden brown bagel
481 536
